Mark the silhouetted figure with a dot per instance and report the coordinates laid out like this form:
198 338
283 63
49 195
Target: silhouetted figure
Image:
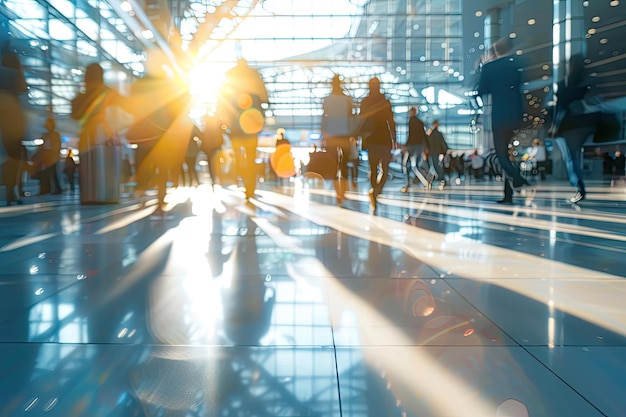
211 145
89 109
127 170
378 130
437 149
161 128
353 160
619 165
501 78
69 170
281 139
12 120
576 126
49 156
538 157
337 128
241 108
193 148
477 165
414 147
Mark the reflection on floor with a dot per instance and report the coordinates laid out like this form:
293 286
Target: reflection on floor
444 303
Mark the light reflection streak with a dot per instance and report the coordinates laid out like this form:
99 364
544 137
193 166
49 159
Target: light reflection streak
127 220
404 364
26 241
478 261
527 222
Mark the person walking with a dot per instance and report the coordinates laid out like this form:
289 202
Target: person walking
50 155
501 78
414 149
211 145
242 102
575 128
378 130
336 128
437 149
12 120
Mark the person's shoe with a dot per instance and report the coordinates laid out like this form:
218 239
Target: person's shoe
507 201
578 197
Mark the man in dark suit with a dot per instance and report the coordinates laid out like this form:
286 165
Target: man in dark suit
378 131
502 78
414 147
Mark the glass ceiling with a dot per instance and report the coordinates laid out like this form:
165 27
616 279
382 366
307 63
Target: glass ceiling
424 51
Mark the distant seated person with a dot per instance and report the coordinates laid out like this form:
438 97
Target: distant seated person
477 165
537 158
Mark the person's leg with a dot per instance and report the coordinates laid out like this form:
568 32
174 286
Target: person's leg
212 160
508 193
385 159
56 185
575 140
193 174
373 160
44 181
245 155
340 147
501 140
407 167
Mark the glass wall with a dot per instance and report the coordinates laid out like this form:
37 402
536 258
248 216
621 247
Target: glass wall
424 51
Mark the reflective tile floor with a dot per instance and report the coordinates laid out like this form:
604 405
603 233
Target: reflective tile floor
444 303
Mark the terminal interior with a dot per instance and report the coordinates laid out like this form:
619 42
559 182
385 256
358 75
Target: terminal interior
442 303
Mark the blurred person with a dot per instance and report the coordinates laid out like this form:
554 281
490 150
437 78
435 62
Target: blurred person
437 147
353 160
619 165
193 148
69 169
501 78
414 148
477 165
161 129
576 126
337 128
281 160
538 157
127 170
49 157
241 106
280 138
378 130
211 145
89 108
12 120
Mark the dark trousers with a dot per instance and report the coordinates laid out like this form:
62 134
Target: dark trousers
575 140
501 139
379 158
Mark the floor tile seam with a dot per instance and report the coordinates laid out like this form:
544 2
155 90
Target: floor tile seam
337 373
526 349
486 346
562 379
529 278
